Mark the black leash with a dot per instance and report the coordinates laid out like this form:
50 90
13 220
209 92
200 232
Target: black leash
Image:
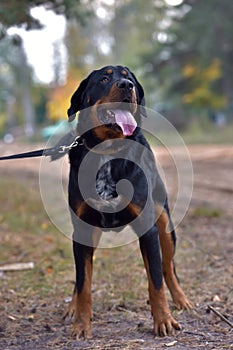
47 151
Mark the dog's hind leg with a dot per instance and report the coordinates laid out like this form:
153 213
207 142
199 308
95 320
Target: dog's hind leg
164 323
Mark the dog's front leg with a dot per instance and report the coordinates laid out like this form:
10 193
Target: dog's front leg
164 323
81 304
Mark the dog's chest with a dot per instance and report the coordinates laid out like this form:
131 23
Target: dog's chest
105 184
108 206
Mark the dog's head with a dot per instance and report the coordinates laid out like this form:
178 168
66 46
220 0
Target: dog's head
115 97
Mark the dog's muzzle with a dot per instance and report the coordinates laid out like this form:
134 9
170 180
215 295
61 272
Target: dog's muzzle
122 118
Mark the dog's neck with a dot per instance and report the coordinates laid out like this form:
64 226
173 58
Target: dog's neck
104 147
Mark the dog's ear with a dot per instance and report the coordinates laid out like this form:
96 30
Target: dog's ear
77 101
140 94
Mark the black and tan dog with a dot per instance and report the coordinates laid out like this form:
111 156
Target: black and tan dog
110 101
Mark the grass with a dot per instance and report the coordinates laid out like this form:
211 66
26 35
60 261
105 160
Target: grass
207 212
208 134
21 206
28 235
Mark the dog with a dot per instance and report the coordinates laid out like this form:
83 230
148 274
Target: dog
111 103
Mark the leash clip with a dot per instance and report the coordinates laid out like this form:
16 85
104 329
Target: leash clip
77 142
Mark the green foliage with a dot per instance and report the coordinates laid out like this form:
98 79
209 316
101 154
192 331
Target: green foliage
18 12
197 34
200 83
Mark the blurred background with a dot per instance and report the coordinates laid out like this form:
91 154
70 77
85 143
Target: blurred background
181 51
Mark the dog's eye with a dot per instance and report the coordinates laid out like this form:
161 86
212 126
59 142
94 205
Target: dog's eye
129 78
104 79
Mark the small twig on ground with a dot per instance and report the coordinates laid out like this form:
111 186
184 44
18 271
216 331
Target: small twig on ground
223 318
17 266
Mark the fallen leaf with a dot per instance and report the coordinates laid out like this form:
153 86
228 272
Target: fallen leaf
49 269
49 239
171 343
12 318
216 298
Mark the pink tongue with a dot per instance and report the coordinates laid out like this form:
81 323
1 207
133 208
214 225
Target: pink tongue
126 121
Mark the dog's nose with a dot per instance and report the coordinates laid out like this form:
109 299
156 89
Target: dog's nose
125 84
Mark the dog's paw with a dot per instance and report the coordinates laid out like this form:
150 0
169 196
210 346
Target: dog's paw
181 302
72 308
82 315
69 314
165 325
82 329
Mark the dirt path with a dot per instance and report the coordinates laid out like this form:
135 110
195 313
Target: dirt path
31 321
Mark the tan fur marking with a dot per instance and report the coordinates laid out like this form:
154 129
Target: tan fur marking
81 306
83 314
163 321
81 210
168 251
96 237
134 209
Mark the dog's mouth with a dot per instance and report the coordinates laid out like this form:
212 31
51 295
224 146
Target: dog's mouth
120 119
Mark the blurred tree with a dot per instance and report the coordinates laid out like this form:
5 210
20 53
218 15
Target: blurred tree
15 83
17 13
198 34
83 44
160 42
133 29
25 82
40 93
77 42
